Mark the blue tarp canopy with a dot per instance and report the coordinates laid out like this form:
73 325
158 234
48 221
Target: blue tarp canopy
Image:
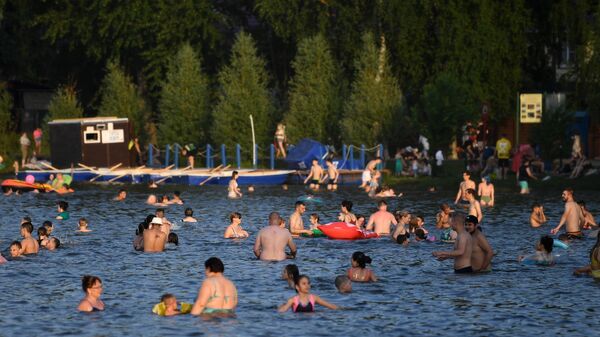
301 156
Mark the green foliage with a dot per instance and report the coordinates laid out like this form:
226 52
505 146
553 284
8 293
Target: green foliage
445 106
551 133
313 92
184 101
7 136
243 92
64 104
375 97
119 98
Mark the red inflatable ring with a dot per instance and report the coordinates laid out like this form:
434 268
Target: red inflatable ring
345 231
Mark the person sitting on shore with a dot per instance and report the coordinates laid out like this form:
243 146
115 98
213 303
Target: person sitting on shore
343 284
62 207
83 226
189 216
235 230
217 295
53 243
271 241
154 237
314 221
346 212
29 245
92 287
486 192
594 267
400 234
290 273
304 301
42 236
359 271
543 252
537 217
16 249
122 195
588 218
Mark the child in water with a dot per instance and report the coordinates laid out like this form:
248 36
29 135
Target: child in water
290 273
42 236
15 249
537 217
304 301
543 253
83 226
359 271
314 221
62 207
168 306
343 284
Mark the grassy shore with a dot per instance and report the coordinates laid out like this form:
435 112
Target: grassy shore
451 176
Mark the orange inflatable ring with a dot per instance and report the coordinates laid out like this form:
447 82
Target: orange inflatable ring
345 231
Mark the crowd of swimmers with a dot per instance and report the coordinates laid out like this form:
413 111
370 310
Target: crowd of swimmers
471 252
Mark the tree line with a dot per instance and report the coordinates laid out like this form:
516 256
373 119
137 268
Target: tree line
360 72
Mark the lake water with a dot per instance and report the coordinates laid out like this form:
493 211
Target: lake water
416 294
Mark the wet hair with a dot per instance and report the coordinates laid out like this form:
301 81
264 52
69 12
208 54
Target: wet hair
214 264
340 280
28 227
56 241
381 203
234 173
358 216
63 205
141 227
444 207
299 203
234 215
42 231
348 204
26 219
177 193
581 203
596 245
298 279
84 220
16 243
420 216
420 234
400 214
470 191
328 160
87 281
148 220
173 238
534 206
361 259
166 296
547 242
159 210
569 189
316 216
122 190
47 224
412 224
400 239
292 272
467 173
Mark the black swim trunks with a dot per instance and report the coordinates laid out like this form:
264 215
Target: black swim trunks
314 181
331 182
465 270
574 235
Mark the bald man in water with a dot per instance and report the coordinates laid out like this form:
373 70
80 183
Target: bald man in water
381 220
271 241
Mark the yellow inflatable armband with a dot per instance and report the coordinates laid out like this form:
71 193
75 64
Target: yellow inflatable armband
160 308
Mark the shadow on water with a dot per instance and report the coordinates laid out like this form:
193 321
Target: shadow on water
416 295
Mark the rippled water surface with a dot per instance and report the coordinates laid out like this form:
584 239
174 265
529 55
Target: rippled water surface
416 294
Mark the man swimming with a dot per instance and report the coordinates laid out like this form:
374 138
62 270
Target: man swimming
482 253
572 216
381 220
218 294
271 241
332 174
296 222
121 196
316 173
463 246
154 237
462 188
474 205
369 170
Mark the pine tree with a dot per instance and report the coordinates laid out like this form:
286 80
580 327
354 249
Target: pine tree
121 99
243 92
184 101
375 97
312 93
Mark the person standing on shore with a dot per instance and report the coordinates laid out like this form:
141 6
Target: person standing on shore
25 143
37 138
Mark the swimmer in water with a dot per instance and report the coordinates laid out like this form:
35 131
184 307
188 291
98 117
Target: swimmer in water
170 303
62 207
296 222
543 252
463 187
49 227
400 234
233 191
304 301
594 267
92 287
463 246
189 216
482 253
290 273
29 245
343 284
53 243
217 295
474 205
346 212
176 198
314 221
369 171
442 221
381 221
235 230
251 189
360 221
359 271
122 195
42 236
316 173
16 249
588 218
486 192
152 184
332 175
572 216
83 226
537 217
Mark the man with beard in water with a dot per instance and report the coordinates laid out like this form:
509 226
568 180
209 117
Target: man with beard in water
572 216
482 254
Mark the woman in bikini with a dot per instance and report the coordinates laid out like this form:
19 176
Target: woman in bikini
304 301
92 286
235 230
217 295
359 271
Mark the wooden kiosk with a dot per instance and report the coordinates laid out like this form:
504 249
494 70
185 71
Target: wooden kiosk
97 141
